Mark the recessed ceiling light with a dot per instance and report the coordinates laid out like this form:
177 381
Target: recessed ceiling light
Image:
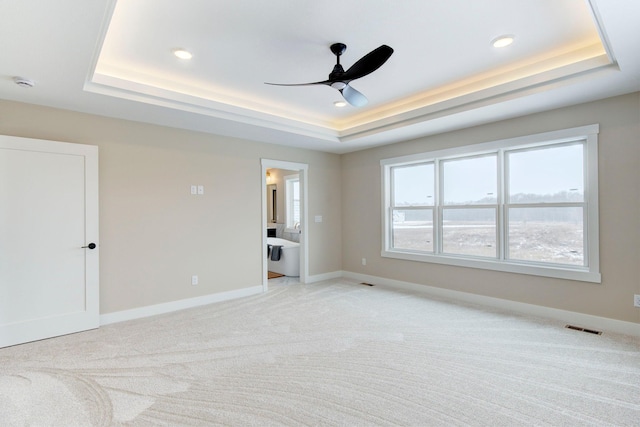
182 53
502 41
340 104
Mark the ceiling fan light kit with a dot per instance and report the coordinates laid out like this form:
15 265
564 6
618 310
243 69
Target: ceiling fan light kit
339 79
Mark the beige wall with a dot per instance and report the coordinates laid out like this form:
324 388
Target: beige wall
619 180
154 235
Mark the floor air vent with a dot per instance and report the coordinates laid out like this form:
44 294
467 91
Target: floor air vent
366 284
578 328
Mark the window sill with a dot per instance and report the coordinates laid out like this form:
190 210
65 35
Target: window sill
578 274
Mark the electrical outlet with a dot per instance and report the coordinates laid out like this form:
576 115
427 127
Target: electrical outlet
636 300
194 280
364 261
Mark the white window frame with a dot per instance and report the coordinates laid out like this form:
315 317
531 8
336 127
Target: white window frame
589 273
441 207
427 207
290 221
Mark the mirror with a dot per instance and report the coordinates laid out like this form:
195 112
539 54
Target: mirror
272 203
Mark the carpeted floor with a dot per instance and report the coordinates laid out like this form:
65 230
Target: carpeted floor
331 353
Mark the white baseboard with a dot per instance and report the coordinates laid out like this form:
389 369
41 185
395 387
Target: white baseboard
325 276
153 310
570 317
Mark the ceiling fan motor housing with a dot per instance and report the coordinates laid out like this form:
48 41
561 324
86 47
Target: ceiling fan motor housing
336 73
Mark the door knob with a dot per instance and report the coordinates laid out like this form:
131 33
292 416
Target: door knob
90 246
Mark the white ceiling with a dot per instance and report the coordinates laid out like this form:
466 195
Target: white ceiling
114 58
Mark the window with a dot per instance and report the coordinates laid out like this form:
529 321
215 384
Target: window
545 207
526 205
292 197
469 208
412 212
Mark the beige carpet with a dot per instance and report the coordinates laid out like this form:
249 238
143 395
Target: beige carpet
333 353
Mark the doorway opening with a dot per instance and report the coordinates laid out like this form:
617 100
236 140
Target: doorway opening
284 216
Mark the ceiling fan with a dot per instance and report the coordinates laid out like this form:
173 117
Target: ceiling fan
340 79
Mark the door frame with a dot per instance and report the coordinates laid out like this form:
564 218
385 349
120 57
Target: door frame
303 170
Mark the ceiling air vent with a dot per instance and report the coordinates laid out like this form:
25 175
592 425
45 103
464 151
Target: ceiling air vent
22 82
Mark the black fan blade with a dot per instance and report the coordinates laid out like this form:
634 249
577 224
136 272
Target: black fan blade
326 82
353 97
368 63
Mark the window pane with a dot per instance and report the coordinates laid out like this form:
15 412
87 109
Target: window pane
413 185
469 232
546 175
292 195
413 229
470 181
553 235
296 200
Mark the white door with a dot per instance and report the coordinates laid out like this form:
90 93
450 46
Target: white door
48 222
